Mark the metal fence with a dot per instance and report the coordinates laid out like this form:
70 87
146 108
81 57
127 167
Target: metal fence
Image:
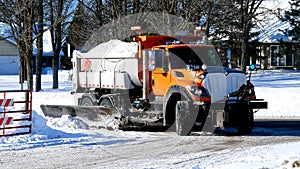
15 112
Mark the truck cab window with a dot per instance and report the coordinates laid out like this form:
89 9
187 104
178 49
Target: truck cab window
176 62
158 58
211 58
184 58
161 60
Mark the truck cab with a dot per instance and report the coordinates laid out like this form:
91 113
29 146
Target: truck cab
183 65
194 86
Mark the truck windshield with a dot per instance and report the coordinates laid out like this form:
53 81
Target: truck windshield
193 58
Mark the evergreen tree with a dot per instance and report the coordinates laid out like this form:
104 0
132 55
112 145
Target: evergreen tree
293 17
80 28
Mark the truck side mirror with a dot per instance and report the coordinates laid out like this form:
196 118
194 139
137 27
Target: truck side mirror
151 63
151 67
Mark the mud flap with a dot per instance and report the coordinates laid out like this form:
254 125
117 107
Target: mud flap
246 119
186 116
215 118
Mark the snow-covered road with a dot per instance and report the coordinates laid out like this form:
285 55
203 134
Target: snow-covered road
118 149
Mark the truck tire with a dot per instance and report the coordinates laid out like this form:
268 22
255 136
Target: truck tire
176 94
105 103
86 101
246 120
183 122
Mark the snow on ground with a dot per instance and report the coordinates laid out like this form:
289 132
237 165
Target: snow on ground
280 88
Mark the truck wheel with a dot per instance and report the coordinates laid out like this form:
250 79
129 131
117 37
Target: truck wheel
246 122
183 123
175 94
86 101
105 103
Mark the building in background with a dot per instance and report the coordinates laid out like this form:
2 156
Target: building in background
9 54
273 48
9 57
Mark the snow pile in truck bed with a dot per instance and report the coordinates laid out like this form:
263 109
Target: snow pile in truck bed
112 49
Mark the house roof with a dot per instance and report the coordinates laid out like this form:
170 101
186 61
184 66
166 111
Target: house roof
273 32
5 32
271 29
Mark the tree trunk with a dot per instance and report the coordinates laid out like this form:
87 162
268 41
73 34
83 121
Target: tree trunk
245 33
38 86
245 37
28 20
244 56
248 10
100 11
29 46
56 38
22 69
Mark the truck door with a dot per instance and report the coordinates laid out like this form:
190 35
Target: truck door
161 75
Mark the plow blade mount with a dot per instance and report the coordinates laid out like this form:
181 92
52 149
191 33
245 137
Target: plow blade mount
86 113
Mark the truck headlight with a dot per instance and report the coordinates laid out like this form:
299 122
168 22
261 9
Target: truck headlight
195 90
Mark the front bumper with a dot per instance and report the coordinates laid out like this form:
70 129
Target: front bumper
227 112
252 104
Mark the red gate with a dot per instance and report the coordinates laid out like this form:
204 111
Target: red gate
15 112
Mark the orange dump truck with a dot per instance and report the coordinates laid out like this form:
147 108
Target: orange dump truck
173 82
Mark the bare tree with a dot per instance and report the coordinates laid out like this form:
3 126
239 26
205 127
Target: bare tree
248 9
40 32
59 12
232 19
19 15
55 31
22 18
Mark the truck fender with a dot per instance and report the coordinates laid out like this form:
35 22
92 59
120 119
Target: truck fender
108 97
174 94
85 97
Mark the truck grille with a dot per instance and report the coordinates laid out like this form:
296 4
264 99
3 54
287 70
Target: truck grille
219 85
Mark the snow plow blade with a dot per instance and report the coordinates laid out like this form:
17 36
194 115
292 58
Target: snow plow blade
92 113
